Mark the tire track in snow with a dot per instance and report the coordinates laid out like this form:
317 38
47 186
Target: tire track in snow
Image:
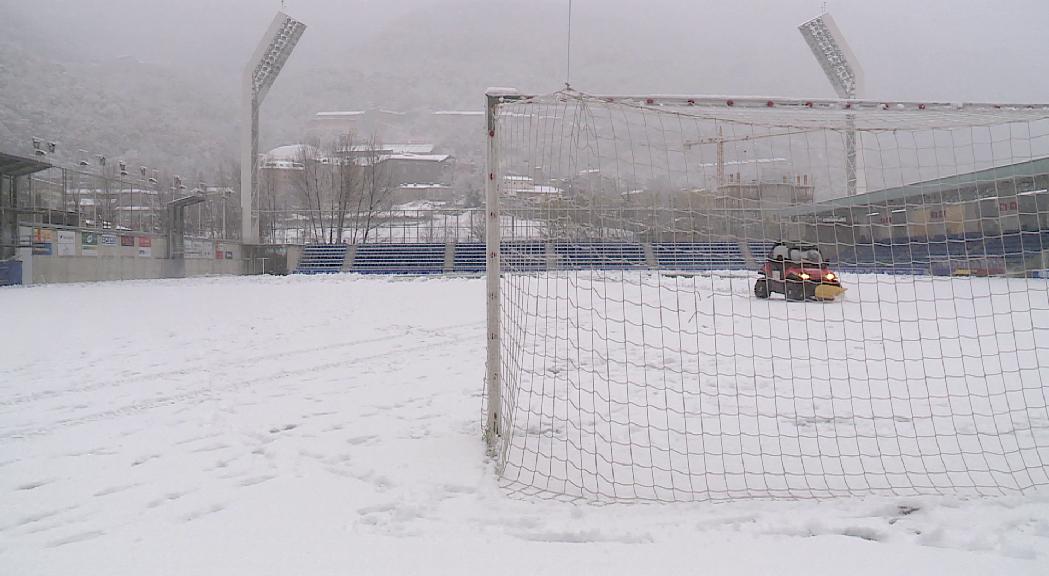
249 360
146 405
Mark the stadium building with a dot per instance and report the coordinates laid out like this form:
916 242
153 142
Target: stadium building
999 216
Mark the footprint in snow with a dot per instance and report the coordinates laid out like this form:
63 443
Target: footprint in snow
255 480
211 447
143 459
361 440
113 490
285 428
169 497
73 538
203 512
33 485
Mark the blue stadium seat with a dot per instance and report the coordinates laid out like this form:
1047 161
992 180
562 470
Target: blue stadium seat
599 255
717 255
399 259
470 257
321 259
523 256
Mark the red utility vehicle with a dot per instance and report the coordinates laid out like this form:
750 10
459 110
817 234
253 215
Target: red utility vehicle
799 272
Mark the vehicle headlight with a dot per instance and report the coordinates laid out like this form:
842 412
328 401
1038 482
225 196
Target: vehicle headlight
831 276
805 276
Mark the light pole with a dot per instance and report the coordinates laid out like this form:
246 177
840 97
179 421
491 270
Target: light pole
94 191
843 70
225 208
131 195
259 75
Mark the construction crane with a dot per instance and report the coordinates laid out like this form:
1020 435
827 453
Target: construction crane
720 141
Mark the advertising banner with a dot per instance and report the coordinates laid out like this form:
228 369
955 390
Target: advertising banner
109 240
127 241
89 243
43 241
66 245
145 246
198 248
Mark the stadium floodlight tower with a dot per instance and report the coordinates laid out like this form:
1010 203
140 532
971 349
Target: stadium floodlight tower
843 70
259 74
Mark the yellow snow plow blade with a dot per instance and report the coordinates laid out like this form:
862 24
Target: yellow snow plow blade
828 292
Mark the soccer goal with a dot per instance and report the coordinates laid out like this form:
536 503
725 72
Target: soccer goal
686 303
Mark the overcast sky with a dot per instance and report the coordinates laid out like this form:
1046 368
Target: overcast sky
947 49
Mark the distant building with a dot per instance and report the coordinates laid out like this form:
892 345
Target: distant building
367 151
413 170
765 194
525 190
424 193
993 201
419 168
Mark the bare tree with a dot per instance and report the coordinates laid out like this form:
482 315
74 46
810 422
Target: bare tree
345 183
105 199
337 191
376 187
308 184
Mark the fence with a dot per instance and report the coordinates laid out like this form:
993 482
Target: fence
445 225
379 227
542 238
103 199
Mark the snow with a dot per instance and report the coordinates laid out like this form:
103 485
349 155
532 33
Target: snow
459 113
418 157
330 425
339 114
905 386
292 153
417 205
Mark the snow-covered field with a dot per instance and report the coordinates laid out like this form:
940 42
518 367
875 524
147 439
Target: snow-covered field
645 385
330 425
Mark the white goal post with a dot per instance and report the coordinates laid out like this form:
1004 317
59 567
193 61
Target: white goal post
685 303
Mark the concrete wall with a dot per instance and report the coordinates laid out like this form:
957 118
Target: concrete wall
59 269
294 257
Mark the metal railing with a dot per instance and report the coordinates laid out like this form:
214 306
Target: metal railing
379 227
444 225
100 200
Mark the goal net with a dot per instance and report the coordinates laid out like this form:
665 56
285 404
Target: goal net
666 314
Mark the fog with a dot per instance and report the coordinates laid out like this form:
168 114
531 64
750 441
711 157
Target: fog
162 75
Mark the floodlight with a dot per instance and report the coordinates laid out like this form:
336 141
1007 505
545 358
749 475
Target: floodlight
834 55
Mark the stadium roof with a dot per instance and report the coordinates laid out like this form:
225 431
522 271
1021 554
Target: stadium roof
1029 169
15 166
293 153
